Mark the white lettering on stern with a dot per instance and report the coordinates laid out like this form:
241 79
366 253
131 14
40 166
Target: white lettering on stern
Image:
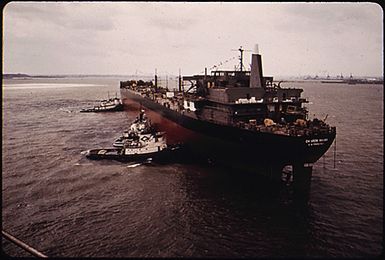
316 142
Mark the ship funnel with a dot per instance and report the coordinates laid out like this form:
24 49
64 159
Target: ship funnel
256 49
256 75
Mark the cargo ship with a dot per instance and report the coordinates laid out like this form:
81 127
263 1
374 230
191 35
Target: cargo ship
237 117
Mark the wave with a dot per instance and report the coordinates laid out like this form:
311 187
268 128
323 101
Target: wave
133 165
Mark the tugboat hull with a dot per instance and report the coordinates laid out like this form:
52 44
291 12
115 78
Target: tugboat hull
100 109
117 155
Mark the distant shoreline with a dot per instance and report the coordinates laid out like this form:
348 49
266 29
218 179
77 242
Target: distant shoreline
21 76
26 76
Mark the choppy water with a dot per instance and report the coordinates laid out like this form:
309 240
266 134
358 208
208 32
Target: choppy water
65 205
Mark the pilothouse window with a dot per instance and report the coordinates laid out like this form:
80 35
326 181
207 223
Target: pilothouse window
291 108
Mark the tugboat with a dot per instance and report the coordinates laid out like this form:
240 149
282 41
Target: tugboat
137 149
141 142
109 105
142 126
239 118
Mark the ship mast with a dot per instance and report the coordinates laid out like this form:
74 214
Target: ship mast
241 57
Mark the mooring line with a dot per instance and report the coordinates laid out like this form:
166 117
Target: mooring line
23 245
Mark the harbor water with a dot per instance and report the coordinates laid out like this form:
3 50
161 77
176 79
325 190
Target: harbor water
65 205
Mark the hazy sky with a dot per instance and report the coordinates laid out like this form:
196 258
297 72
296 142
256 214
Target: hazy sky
128 37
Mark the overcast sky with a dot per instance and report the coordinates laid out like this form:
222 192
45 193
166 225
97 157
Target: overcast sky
128 38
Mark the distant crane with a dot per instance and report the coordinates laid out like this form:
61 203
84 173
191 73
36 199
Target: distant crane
241 56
